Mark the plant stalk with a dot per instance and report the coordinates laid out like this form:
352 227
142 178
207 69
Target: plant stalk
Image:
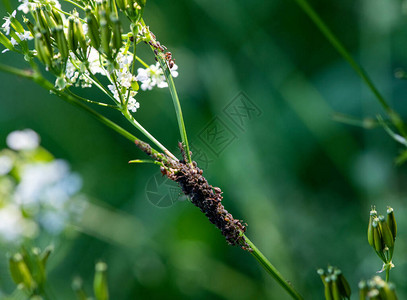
330 36
266 264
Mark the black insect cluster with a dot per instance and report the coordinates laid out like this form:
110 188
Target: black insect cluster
202 194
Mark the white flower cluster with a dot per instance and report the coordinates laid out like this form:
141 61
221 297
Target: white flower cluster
125 82
34 194
84 69
27 5
23 36
154 76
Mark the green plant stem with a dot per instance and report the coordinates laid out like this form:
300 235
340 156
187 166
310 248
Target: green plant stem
177 106
266 264
37 78
330 36
388 266
175 99
136 124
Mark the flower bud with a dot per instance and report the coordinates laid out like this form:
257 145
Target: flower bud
100 282
391 221
378 240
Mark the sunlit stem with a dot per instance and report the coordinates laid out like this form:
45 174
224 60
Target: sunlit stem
90 101
330 36
76 4
177 106
266 264
136 124
142 62
36 77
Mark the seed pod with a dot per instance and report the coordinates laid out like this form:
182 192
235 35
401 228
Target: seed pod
93 30
49 19
378 241
386 233
77 286
57 17
362 290
370 236
16 25
40 20
322 274
14 270
6 42
81 36
343 284
43 52
106 35
117 33
72 39
120 4
391 221
30 26
62 42
336 294
45 255
21 273
142 3
328 289
100 282
389 291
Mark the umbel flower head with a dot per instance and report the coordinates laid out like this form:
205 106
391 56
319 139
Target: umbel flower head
88 45
381 235
335 284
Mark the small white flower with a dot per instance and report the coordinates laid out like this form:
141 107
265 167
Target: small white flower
25 6
13 42
173 70
6 164
13 225
150 77
26 139
25 36
6 25
95 62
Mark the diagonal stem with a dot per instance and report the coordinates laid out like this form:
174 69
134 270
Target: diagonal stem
266 264
330 36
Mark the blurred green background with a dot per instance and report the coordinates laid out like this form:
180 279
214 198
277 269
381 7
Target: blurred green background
303 182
